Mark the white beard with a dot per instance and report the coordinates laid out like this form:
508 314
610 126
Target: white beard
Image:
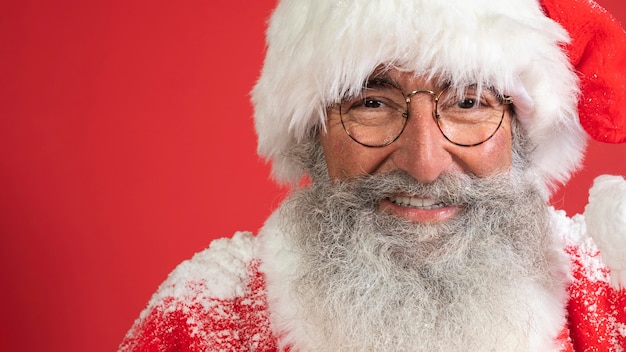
344 277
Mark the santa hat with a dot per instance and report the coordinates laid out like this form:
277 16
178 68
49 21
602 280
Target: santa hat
558 60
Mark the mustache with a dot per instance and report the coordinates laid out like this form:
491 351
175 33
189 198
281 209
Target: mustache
461 189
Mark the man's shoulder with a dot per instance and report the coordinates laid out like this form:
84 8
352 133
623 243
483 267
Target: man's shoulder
223 268
215 300
596 312
585 257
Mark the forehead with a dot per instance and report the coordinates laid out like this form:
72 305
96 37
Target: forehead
399 75
404 79
407 79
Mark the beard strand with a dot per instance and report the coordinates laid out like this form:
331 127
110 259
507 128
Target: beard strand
369 281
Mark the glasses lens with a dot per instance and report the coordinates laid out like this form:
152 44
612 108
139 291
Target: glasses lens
376 117
470 115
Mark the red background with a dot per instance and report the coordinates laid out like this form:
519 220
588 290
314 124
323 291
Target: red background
126 145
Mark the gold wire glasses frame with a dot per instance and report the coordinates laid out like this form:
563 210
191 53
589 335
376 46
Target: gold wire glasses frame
466 117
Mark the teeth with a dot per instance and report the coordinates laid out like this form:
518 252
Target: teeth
422 203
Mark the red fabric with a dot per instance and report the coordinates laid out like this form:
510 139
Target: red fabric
598 53
239 324
597 311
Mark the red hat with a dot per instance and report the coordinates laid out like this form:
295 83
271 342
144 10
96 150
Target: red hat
598 53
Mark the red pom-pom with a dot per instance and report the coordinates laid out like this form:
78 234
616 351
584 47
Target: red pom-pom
598 52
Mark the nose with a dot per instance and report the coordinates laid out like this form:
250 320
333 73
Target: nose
422 150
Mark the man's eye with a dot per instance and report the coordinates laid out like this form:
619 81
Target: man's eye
372 103
467 103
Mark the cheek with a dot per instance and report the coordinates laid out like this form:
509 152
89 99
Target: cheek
344 157
337 153
492 157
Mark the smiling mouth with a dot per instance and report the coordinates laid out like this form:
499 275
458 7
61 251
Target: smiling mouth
417 202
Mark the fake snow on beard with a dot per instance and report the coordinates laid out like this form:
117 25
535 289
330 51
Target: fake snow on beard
368 281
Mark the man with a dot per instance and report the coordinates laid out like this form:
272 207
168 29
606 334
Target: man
432 133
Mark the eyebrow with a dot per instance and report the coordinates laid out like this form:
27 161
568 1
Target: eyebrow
381 81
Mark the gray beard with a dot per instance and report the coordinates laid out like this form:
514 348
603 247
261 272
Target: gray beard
369 281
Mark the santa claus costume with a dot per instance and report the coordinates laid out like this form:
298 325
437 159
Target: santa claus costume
563 62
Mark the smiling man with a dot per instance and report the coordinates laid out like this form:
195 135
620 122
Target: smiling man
432 133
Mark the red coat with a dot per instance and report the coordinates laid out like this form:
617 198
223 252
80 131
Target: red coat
217 302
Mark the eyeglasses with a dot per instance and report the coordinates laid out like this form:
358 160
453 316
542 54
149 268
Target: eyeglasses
467 116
